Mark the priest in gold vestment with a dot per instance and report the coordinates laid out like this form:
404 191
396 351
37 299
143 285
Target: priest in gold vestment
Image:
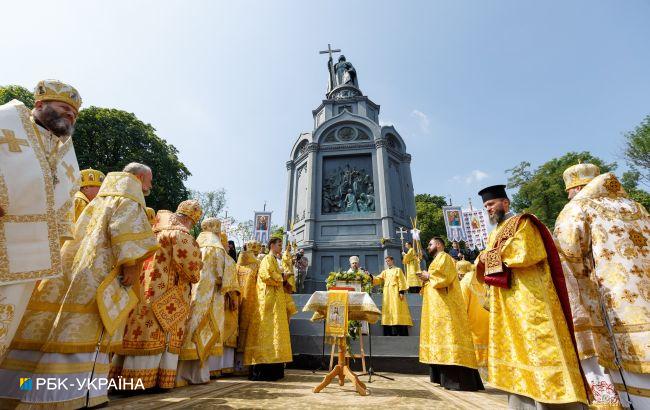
203 336
289 271
412 267
395 314
91 180
445 343
247 267
226 307
530 349
604 241
474 294
268 344
113 237
39 175
155 328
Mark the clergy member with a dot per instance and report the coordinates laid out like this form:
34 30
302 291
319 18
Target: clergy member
604 242
226 307
203 334
530 351
412 266
474 295
395 314
462 266
445 343
40 174
155 328
268 345
91 180
247 267
113 237
287 266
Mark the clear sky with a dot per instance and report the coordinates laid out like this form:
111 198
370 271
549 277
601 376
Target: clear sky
474 87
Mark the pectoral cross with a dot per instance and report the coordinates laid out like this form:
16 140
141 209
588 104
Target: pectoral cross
13 142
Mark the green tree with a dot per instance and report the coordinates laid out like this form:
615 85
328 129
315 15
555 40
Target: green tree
107 139
541 192
637 150
430 219
630 182
10 92
212 203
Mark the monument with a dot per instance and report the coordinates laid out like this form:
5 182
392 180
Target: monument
349 185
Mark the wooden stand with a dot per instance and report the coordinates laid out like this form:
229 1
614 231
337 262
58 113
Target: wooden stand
342 371
361 356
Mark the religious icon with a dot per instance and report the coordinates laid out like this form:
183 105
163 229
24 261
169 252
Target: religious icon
454 218
335 317
262 223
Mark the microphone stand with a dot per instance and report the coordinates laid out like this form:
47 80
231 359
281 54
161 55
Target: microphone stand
371 371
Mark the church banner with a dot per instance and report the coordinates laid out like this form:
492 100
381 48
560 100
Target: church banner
262 226
476 228
454 223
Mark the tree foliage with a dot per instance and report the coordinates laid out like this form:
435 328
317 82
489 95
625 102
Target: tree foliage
430 219
212 203
107 139
637 150
630 182
541 192
10 92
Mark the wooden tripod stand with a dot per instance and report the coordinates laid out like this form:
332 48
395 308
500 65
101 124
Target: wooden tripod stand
342 371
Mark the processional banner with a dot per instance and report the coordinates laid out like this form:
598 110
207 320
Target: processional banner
262 226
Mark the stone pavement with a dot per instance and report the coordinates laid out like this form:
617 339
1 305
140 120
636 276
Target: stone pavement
294 391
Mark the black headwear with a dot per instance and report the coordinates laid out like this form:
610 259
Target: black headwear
493 192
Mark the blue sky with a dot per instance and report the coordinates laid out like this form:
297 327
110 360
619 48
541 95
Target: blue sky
474 87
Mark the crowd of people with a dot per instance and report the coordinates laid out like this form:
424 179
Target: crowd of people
96 286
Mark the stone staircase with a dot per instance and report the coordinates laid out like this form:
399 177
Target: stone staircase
390 353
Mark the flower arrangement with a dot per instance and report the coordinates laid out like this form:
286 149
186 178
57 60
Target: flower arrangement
384 241
358 276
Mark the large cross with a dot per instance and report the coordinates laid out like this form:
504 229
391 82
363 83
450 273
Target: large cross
330 51
13 142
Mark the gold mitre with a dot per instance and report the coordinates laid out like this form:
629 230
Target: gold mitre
580 174
55 90
211 225
190 208
91 177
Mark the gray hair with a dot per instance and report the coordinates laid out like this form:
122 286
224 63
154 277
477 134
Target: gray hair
136 168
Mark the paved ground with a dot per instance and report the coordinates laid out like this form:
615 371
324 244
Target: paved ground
294 391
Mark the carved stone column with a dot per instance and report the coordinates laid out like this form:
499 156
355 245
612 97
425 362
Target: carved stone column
383 186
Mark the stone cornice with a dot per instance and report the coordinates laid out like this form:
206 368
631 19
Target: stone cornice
312 147
289 165
337 147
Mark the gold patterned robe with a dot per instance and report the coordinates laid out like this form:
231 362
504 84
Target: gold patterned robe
479 318
604 238
290 283
247 268
268 339
157 323
37 220
111 233
227 292
530 351
80 202
443 328
394 310
412 265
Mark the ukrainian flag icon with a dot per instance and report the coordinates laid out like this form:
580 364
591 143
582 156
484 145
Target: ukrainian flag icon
25 383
